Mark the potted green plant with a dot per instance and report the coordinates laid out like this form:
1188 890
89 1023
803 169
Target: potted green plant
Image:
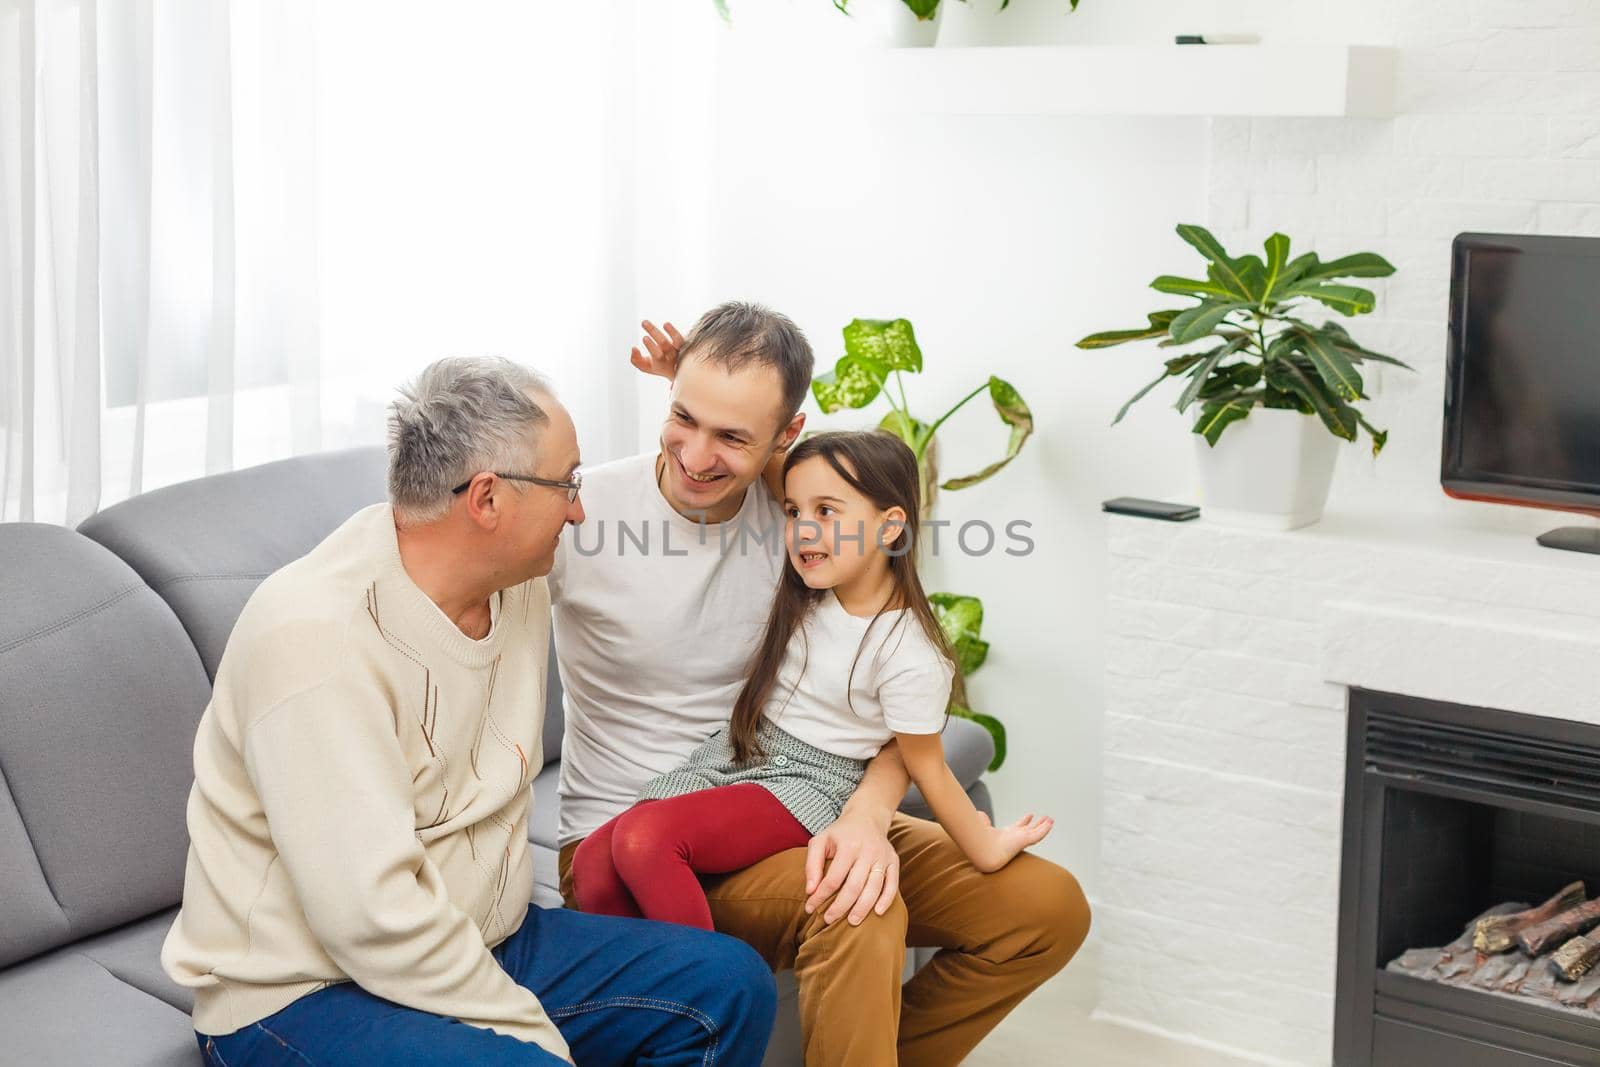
879 353
1262 366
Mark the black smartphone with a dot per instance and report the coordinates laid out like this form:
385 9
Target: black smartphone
1151 509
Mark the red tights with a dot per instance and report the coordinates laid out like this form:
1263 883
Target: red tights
643 863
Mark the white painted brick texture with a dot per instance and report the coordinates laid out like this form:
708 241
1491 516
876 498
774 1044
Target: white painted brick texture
1224 744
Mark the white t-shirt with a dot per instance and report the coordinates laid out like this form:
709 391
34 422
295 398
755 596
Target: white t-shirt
900 682
653 642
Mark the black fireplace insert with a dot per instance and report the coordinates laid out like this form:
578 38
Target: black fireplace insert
1449 811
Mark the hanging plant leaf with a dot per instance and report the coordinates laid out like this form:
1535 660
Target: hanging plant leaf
854 382
1014 413
903 426
996 728
961 618
889 342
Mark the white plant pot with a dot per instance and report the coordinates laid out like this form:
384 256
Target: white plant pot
973 23
890 23
1270 470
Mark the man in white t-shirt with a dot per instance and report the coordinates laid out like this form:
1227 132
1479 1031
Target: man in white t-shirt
659 598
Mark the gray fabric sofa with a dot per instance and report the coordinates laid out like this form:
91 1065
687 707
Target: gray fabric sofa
109 637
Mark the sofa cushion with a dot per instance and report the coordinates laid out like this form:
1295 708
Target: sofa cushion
206 544
133 954
545 816
100 693
65 1008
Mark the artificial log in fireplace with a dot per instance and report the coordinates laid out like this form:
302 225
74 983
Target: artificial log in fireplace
1537 953
1471 845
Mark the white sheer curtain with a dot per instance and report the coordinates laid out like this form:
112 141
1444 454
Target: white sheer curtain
230 228
158 315
479 180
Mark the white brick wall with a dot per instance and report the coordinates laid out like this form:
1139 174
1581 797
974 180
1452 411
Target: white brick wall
1224 742
1497 128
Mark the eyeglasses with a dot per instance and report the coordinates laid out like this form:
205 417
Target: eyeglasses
571 487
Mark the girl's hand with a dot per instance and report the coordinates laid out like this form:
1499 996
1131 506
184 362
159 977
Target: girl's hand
662 346
1004 842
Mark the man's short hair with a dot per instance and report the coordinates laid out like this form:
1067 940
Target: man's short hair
460 416
737 334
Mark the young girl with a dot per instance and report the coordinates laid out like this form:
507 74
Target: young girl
852 658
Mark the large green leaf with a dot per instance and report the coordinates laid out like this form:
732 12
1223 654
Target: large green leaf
1343 298
1283 345
1171 283
1218 415
1008 404
1281 272
961 619
1360 265
1336 415
1225 270
1230 381
1201 320
923 9
854 382
1345 343
1160 321
1198 378
1333 366
1254 273
890 342
996 728
1200 375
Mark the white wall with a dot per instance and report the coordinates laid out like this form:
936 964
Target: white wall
750 165
1006 239
1003 241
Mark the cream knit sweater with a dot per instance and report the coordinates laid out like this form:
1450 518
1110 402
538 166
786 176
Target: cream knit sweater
360 805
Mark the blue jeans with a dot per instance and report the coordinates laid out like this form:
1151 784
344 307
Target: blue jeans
621 991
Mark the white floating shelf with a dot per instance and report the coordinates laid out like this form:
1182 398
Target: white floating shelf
1257 80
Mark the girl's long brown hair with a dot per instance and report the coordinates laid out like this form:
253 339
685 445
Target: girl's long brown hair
882 468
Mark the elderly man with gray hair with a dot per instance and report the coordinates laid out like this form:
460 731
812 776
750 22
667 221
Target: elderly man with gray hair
358 882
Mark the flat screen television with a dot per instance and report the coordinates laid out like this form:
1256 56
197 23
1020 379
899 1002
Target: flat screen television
1522 378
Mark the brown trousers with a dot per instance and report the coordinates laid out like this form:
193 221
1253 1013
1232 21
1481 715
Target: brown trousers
1000 935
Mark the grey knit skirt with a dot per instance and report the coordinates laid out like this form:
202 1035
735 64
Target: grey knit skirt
811 783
